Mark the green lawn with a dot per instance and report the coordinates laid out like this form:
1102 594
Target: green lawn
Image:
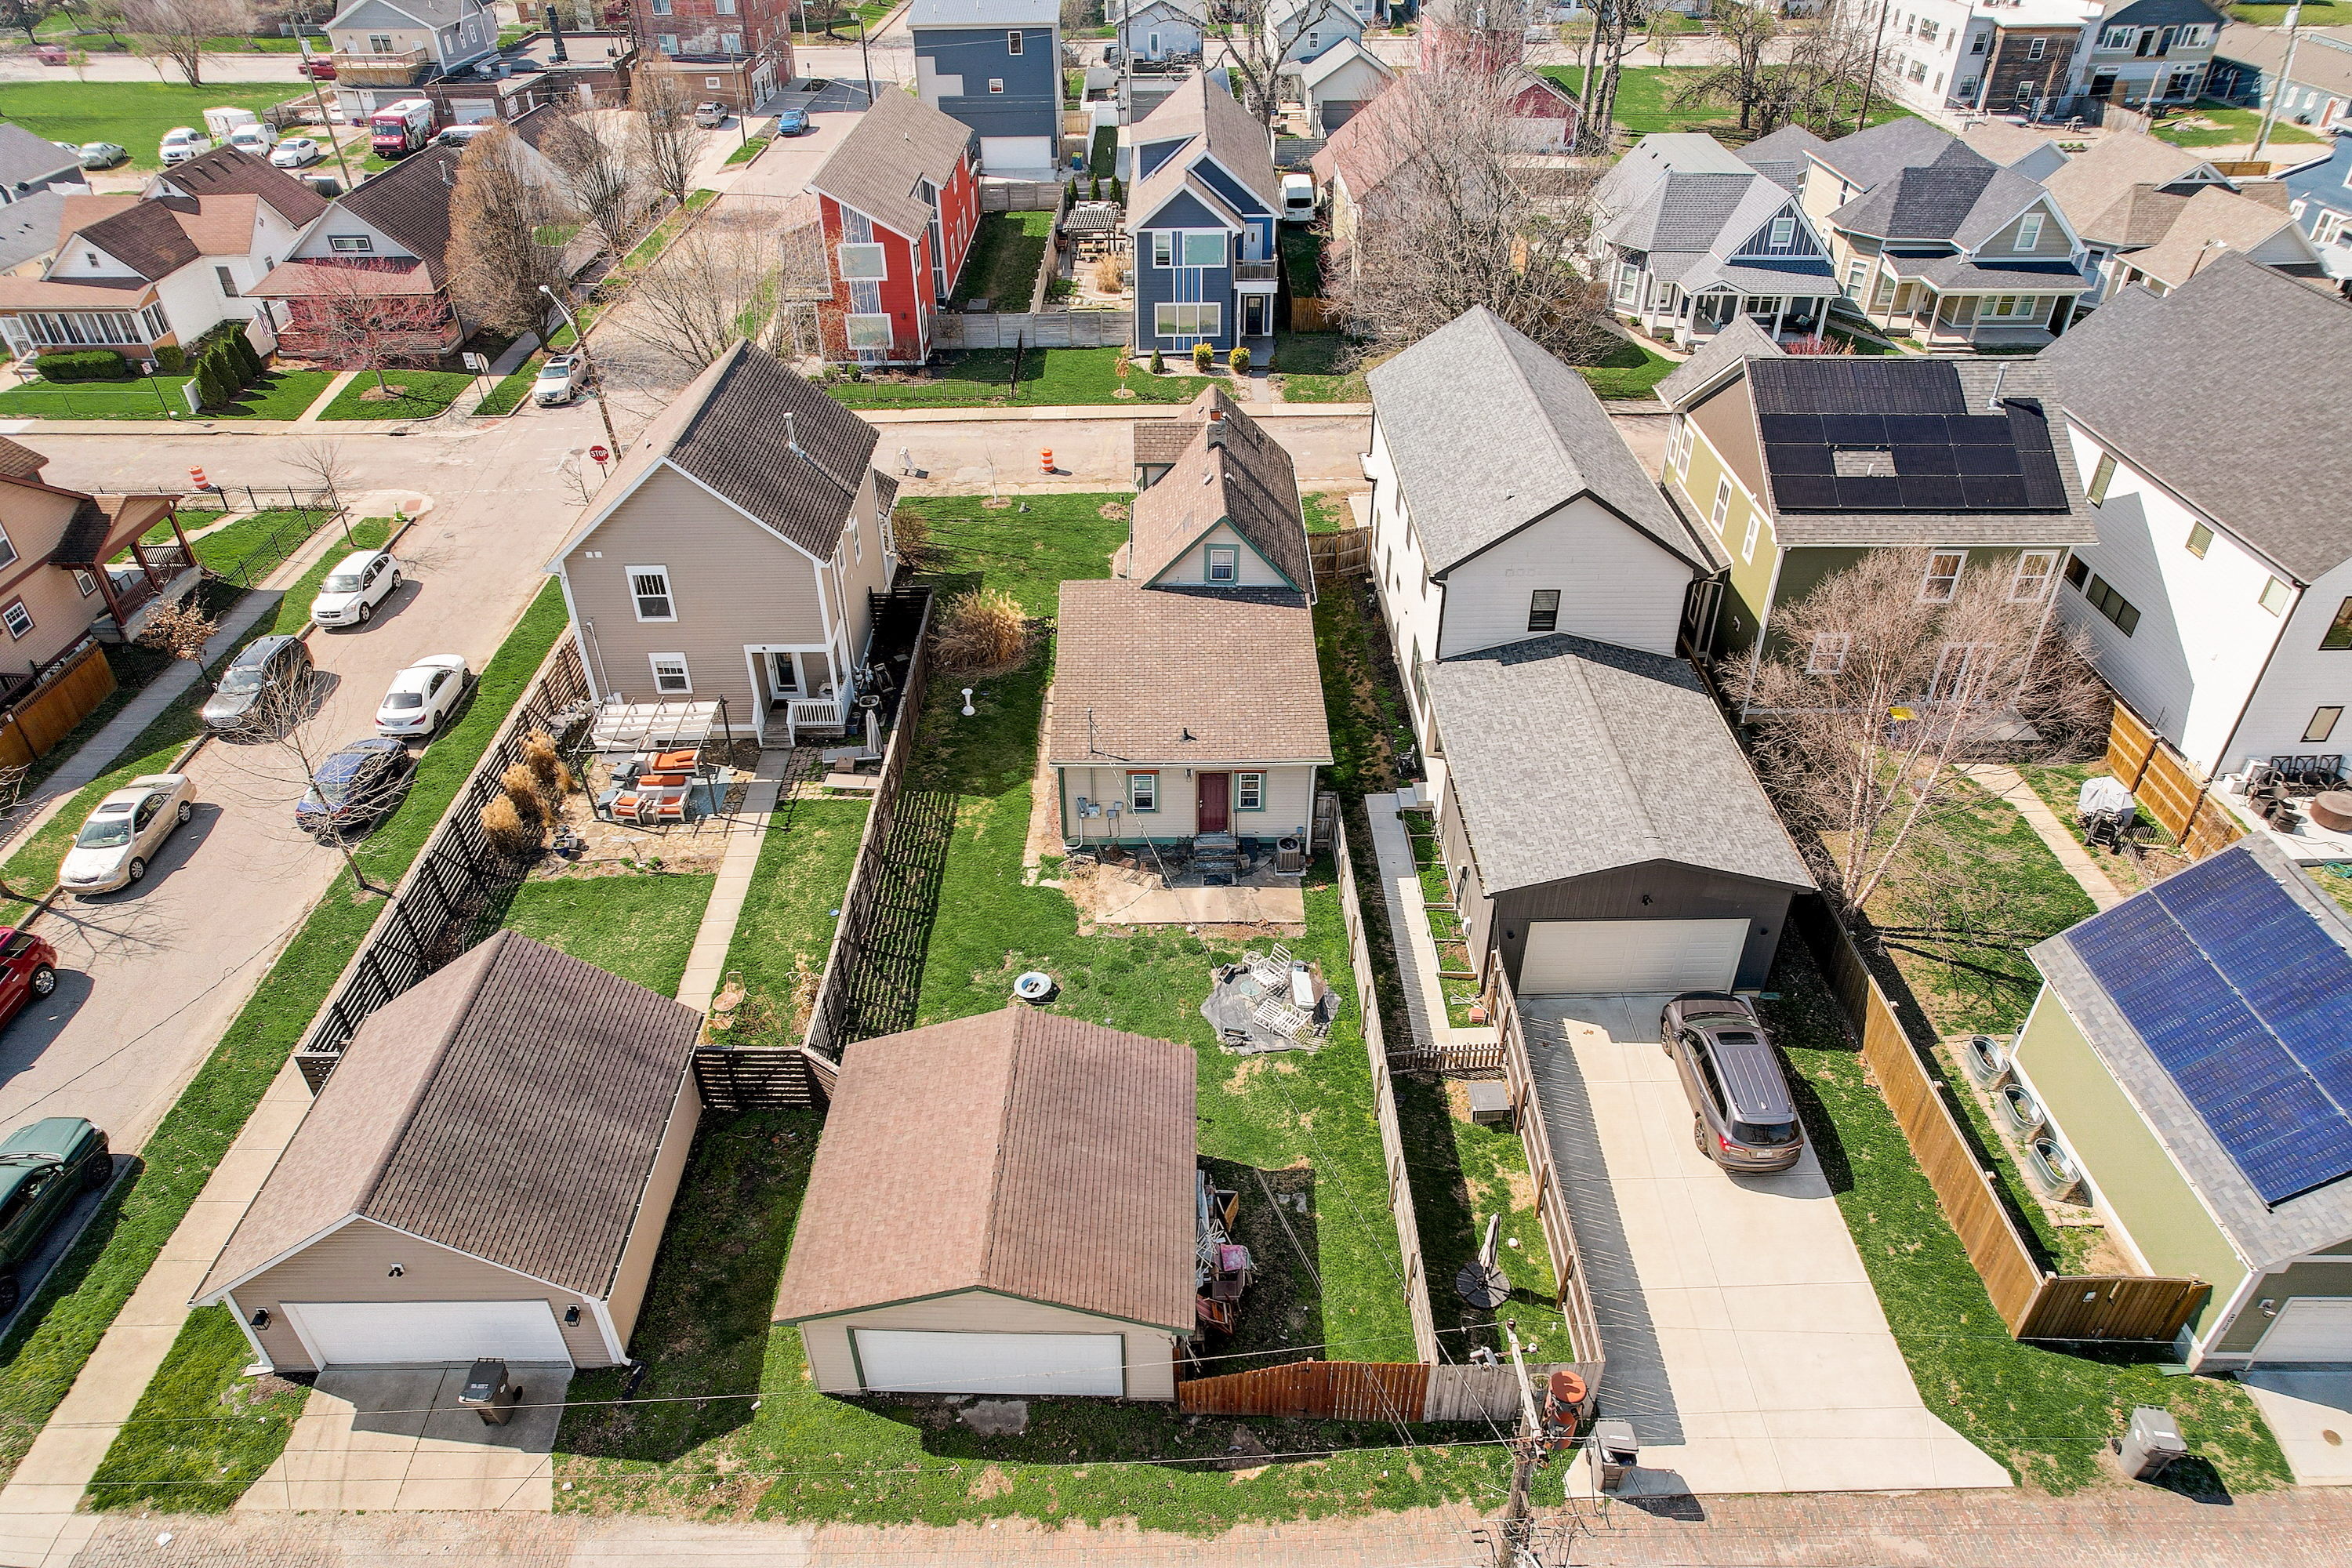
1307 369
251 547
1861 344
1327 513
639 925
657 239
749 149
786 927
2060 789
1302 259
508 394
132 115
2231 127
423 394
53 1336
280 394
1005 257
1627 370
1102 157
1644 101
2317 14
1048 377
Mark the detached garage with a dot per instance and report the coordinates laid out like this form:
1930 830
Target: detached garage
1001 1204
1601 827
486 1173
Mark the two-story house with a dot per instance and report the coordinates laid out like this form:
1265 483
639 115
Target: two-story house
1202 209
996 65
1155 29
1308 27
898 201
2153 52
1686 236
2012 57
733 52
382 50
1797 467
2120 195
139 272
2319 197
2219 593
734 552
2250 67
1933 238
386 242
1505 505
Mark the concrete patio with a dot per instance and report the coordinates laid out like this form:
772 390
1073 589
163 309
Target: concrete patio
395 1437
1744 1342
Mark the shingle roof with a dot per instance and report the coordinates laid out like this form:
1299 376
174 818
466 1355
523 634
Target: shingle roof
1016 1152
18 461
1780 157
29 228
895 144
409 203
1962 197
26 159
2161 13
509 1106
1131 660
1743 340
231 171
2212 221
2277 482
1489 432
433 13
2098 186
148 237
2005 143
1219 126
1571 756
1247 480
2322 60
1868 157
1159 442
1658 154
1367 149
1313 73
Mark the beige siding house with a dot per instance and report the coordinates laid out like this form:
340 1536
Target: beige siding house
75 566
444 1199
1001 1204
734 552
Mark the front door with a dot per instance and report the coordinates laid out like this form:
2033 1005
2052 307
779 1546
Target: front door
1213 815
783 676
1253 315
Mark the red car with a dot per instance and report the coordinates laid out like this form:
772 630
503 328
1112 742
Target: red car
28 970
318 67
50 54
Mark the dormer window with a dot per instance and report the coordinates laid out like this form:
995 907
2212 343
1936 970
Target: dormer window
1224 563
2029 231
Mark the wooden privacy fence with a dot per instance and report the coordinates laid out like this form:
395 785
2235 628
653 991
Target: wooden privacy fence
2034 1304
1367 1008
2166 785
1020 196
1553 1212
1317 315
1047 330
1346 553
1369 1391
62 696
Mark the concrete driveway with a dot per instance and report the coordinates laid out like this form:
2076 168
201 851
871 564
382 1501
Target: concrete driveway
396 1438
1744 1340
2309 1411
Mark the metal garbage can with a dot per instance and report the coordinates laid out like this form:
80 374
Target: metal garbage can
489 1393
2151 1442
1615 1452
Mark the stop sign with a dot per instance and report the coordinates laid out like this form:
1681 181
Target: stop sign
598 454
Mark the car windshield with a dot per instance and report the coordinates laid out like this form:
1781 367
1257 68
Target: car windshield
107 832
401 700
1764 1134
241 679
343 583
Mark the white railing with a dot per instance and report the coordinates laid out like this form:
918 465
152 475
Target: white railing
816 713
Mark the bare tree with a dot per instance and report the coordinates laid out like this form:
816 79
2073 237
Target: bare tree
510 226
591 149
315 458
1255 52
1807 72
668 141
182 629
369 318
715 285
1745 32
1873 693
1663 32
287 718
177 31
26 14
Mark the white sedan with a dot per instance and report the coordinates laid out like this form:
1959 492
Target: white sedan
422 696
126 830
553 384
359 584
296 153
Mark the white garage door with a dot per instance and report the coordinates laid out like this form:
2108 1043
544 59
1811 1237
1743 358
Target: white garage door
1576 957
907 1361
398 1333
2309 1327
1015 154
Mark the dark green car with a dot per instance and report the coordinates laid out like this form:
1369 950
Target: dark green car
44 1166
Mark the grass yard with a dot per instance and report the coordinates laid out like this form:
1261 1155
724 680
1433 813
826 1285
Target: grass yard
1307 369
1627 369
251 547
422 395
53 1336
1327 513
2316 14
511 389
1005 257
640 925
1861 344
202 1432
2230 128
132 115
2060 789
1645 102
1049 377
659 239
280 394
786 927
749 150
1302 258
1102 156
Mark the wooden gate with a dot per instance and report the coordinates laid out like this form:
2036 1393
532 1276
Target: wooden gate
1329 1390
2166 785
2110 1306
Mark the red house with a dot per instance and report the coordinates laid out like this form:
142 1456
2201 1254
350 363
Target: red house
899 200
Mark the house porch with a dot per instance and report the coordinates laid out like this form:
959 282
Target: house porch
105 543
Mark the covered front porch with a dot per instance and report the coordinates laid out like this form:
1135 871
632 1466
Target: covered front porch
802 688
2027 312
105 547
1687 320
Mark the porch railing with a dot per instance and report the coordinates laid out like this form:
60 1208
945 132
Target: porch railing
1254 273
398 69
815 713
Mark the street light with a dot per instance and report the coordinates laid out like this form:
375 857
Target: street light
587 365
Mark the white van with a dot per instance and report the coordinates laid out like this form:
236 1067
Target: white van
221 122
1297 198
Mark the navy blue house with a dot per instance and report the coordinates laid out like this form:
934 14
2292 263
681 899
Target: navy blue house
996 66
2319 195
1203 212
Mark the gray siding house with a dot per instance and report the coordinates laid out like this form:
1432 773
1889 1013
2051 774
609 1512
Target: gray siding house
996 66
1203 212
1154 29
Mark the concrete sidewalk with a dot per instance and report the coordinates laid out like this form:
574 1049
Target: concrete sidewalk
708 961
1424 1000
2004 781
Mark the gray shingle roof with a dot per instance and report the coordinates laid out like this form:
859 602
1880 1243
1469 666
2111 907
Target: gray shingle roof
232 171
1490 431
983 13
898 142
1781 156
1743 340
2164 13
29 160
1205 112
509 1106
1248 480
1962 197
29 228
2277 482
410 203
1868 157
1571 756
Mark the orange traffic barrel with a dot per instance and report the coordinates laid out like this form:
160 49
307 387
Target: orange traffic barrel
1045 460
197 476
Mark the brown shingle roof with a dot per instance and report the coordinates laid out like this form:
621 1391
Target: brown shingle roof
508 1106
899 141
1159 442
148 237
2212 221
1020 1153
18 461
231 171
1233 669
410 203
1248 481
89 534
733 437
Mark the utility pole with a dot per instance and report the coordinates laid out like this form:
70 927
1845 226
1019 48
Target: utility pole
2286 69
1862 121
865 62
587 367
328 124
1526 1445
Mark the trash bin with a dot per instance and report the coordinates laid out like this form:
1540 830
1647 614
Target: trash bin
489 1393
1615 1451
2151 1442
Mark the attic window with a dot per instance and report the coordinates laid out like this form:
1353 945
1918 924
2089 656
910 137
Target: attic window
1784 230
1864 462
350 242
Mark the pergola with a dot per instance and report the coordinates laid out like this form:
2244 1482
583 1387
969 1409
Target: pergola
103 528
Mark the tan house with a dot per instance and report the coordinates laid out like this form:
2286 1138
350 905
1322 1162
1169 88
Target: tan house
1216 581
734 552
486 1173
72 567
1001 1204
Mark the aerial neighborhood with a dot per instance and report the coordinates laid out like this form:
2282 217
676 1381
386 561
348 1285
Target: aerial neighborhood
1390 781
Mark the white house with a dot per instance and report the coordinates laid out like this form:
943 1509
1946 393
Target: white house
384 48
1506 506
1308 27
1154 29
1335 84
2218 597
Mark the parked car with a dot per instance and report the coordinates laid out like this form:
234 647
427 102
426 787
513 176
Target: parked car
792 122
297 152
268 673
459 135
554 383
422 696
355 788
1742 1115
101 154
28 970
353 589
181 143
44 1166
710 116
1297 198
317 67
126 830
52 55
254 140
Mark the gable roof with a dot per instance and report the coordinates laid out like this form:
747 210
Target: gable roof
18 461
1206 114
2214 221
1864 158
1244 478
1745 339
1016 1152
26 158
1489 432
29 227
409 204
1313 73
432 13
1551 748
2010 145
2249 331
1962 197
1781 157
2164 13
439 1120
893 147
228 170
2322 59
2098 187
1368 149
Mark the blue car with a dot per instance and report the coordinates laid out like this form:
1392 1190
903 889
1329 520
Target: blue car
791 122
356 788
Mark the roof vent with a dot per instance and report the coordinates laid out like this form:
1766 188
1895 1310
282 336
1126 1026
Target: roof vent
1992 403
1216 437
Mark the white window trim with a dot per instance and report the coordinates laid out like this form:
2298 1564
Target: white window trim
1962 670
851 324
1150 779
2029 232
2026 587
996 84
685 674
1240 801
856 542
2274 588
1928 579
843 256
1013 40
1829 651
637 600
1722 507
1755 527
1783 231
85 582
1681 461
8 613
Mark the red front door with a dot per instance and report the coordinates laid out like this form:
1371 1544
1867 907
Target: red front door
1213 817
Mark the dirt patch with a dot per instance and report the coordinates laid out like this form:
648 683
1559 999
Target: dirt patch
391 393
996 503
993 1483
1249 1068
1114 511
996 1417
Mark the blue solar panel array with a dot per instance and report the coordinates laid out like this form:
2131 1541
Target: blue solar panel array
2247 1003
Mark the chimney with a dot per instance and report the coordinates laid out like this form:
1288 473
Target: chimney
555 31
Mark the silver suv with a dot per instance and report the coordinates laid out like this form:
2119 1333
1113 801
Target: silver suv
1742 1117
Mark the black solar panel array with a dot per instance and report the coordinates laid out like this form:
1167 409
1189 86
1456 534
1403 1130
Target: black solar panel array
1946 458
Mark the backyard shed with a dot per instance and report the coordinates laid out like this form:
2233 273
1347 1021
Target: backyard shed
1000 1205
487 1174
1601 827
